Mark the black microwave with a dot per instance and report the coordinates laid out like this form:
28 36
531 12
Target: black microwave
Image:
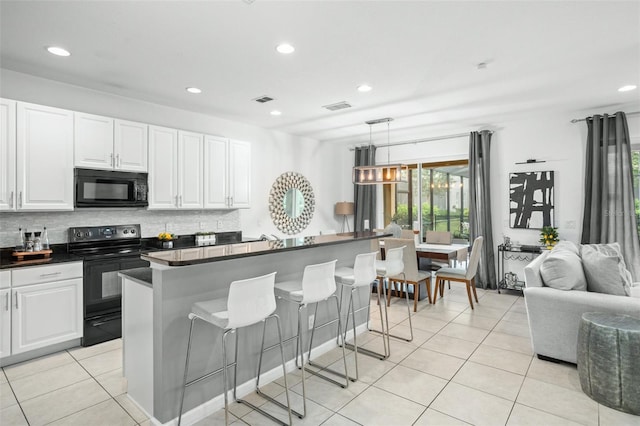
103 188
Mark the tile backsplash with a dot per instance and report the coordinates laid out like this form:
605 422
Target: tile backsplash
152 222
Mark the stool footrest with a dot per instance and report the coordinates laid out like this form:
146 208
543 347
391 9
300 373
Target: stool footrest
206 376
264 413
392 335
278 403
328 379
366 351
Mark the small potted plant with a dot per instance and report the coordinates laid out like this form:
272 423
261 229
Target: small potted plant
549 236
166 238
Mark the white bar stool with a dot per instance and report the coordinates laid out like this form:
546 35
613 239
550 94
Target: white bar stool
318 285
250 301
363 274
393 266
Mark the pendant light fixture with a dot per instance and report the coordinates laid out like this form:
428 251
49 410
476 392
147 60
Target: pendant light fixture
379 174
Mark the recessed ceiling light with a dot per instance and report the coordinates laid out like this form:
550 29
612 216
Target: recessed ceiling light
193 90
627 88
58 51
364 88
276 112
285 48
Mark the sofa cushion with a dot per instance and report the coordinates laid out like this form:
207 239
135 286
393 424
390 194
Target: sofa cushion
562 269
568 245
605 269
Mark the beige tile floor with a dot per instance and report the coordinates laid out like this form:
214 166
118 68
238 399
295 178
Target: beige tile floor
463 367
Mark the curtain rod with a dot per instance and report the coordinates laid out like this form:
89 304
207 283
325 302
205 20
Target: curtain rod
576 120
437 138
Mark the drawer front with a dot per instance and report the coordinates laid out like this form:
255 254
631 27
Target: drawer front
5 279
45 274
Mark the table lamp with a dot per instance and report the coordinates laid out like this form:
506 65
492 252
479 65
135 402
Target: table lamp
344 209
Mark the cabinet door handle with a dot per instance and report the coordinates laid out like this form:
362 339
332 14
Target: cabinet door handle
118 160
15 293
51 274
231 202
111 156
11 200
6 301
20 200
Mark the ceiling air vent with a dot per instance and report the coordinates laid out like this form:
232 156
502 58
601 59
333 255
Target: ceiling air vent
263 99
337 106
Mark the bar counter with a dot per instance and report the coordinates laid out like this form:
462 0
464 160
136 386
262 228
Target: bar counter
156 327
197 255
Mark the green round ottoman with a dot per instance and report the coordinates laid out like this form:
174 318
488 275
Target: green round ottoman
609 360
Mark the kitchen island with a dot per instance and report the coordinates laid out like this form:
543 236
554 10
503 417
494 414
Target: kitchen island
156 327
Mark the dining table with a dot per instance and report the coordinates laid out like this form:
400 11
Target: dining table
443 252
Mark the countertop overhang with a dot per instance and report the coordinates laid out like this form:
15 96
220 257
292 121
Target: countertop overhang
194 256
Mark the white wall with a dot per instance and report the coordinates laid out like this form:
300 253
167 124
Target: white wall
273 153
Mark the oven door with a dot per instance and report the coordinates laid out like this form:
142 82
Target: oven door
102 294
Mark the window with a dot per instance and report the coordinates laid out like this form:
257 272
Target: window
440 191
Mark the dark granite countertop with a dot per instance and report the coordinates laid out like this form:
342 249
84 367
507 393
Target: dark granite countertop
59 255
193 256
143 275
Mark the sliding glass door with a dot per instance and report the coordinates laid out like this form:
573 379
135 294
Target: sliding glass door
440 189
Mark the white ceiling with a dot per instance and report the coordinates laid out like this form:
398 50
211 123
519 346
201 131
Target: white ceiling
420 57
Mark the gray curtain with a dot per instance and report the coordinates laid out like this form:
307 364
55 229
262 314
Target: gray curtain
480 205
609 211
364 196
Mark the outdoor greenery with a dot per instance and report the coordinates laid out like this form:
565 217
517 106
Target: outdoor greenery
459 229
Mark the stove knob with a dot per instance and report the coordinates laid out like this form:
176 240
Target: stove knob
133 231
126 231
79 234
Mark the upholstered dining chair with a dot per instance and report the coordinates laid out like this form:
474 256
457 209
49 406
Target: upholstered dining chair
412 275
466 276
438 237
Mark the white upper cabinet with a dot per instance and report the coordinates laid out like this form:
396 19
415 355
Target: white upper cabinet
93 141
44 158
108 144
190 192
163 168
130 145
8 155
216 180
240 174
227 173
175 169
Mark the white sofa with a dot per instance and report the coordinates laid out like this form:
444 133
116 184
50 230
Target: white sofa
554 315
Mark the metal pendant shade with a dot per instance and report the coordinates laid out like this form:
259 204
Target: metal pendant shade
378 174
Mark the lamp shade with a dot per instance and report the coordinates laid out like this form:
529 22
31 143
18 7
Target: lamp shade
344 208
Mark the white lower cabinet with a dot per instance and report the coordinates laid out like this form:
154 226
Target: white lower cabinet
43 307
44 314
5 323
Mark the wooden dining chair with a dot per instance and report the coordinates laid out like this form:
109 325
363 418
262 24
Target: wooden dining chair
466 276
413 275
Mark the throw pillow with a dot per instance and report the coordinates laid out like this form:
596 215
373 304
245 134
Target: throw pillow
567 245
605 269
562 270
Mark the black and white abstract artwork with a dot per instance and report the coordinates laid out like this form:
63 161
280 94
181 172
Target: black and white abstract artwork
531 200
